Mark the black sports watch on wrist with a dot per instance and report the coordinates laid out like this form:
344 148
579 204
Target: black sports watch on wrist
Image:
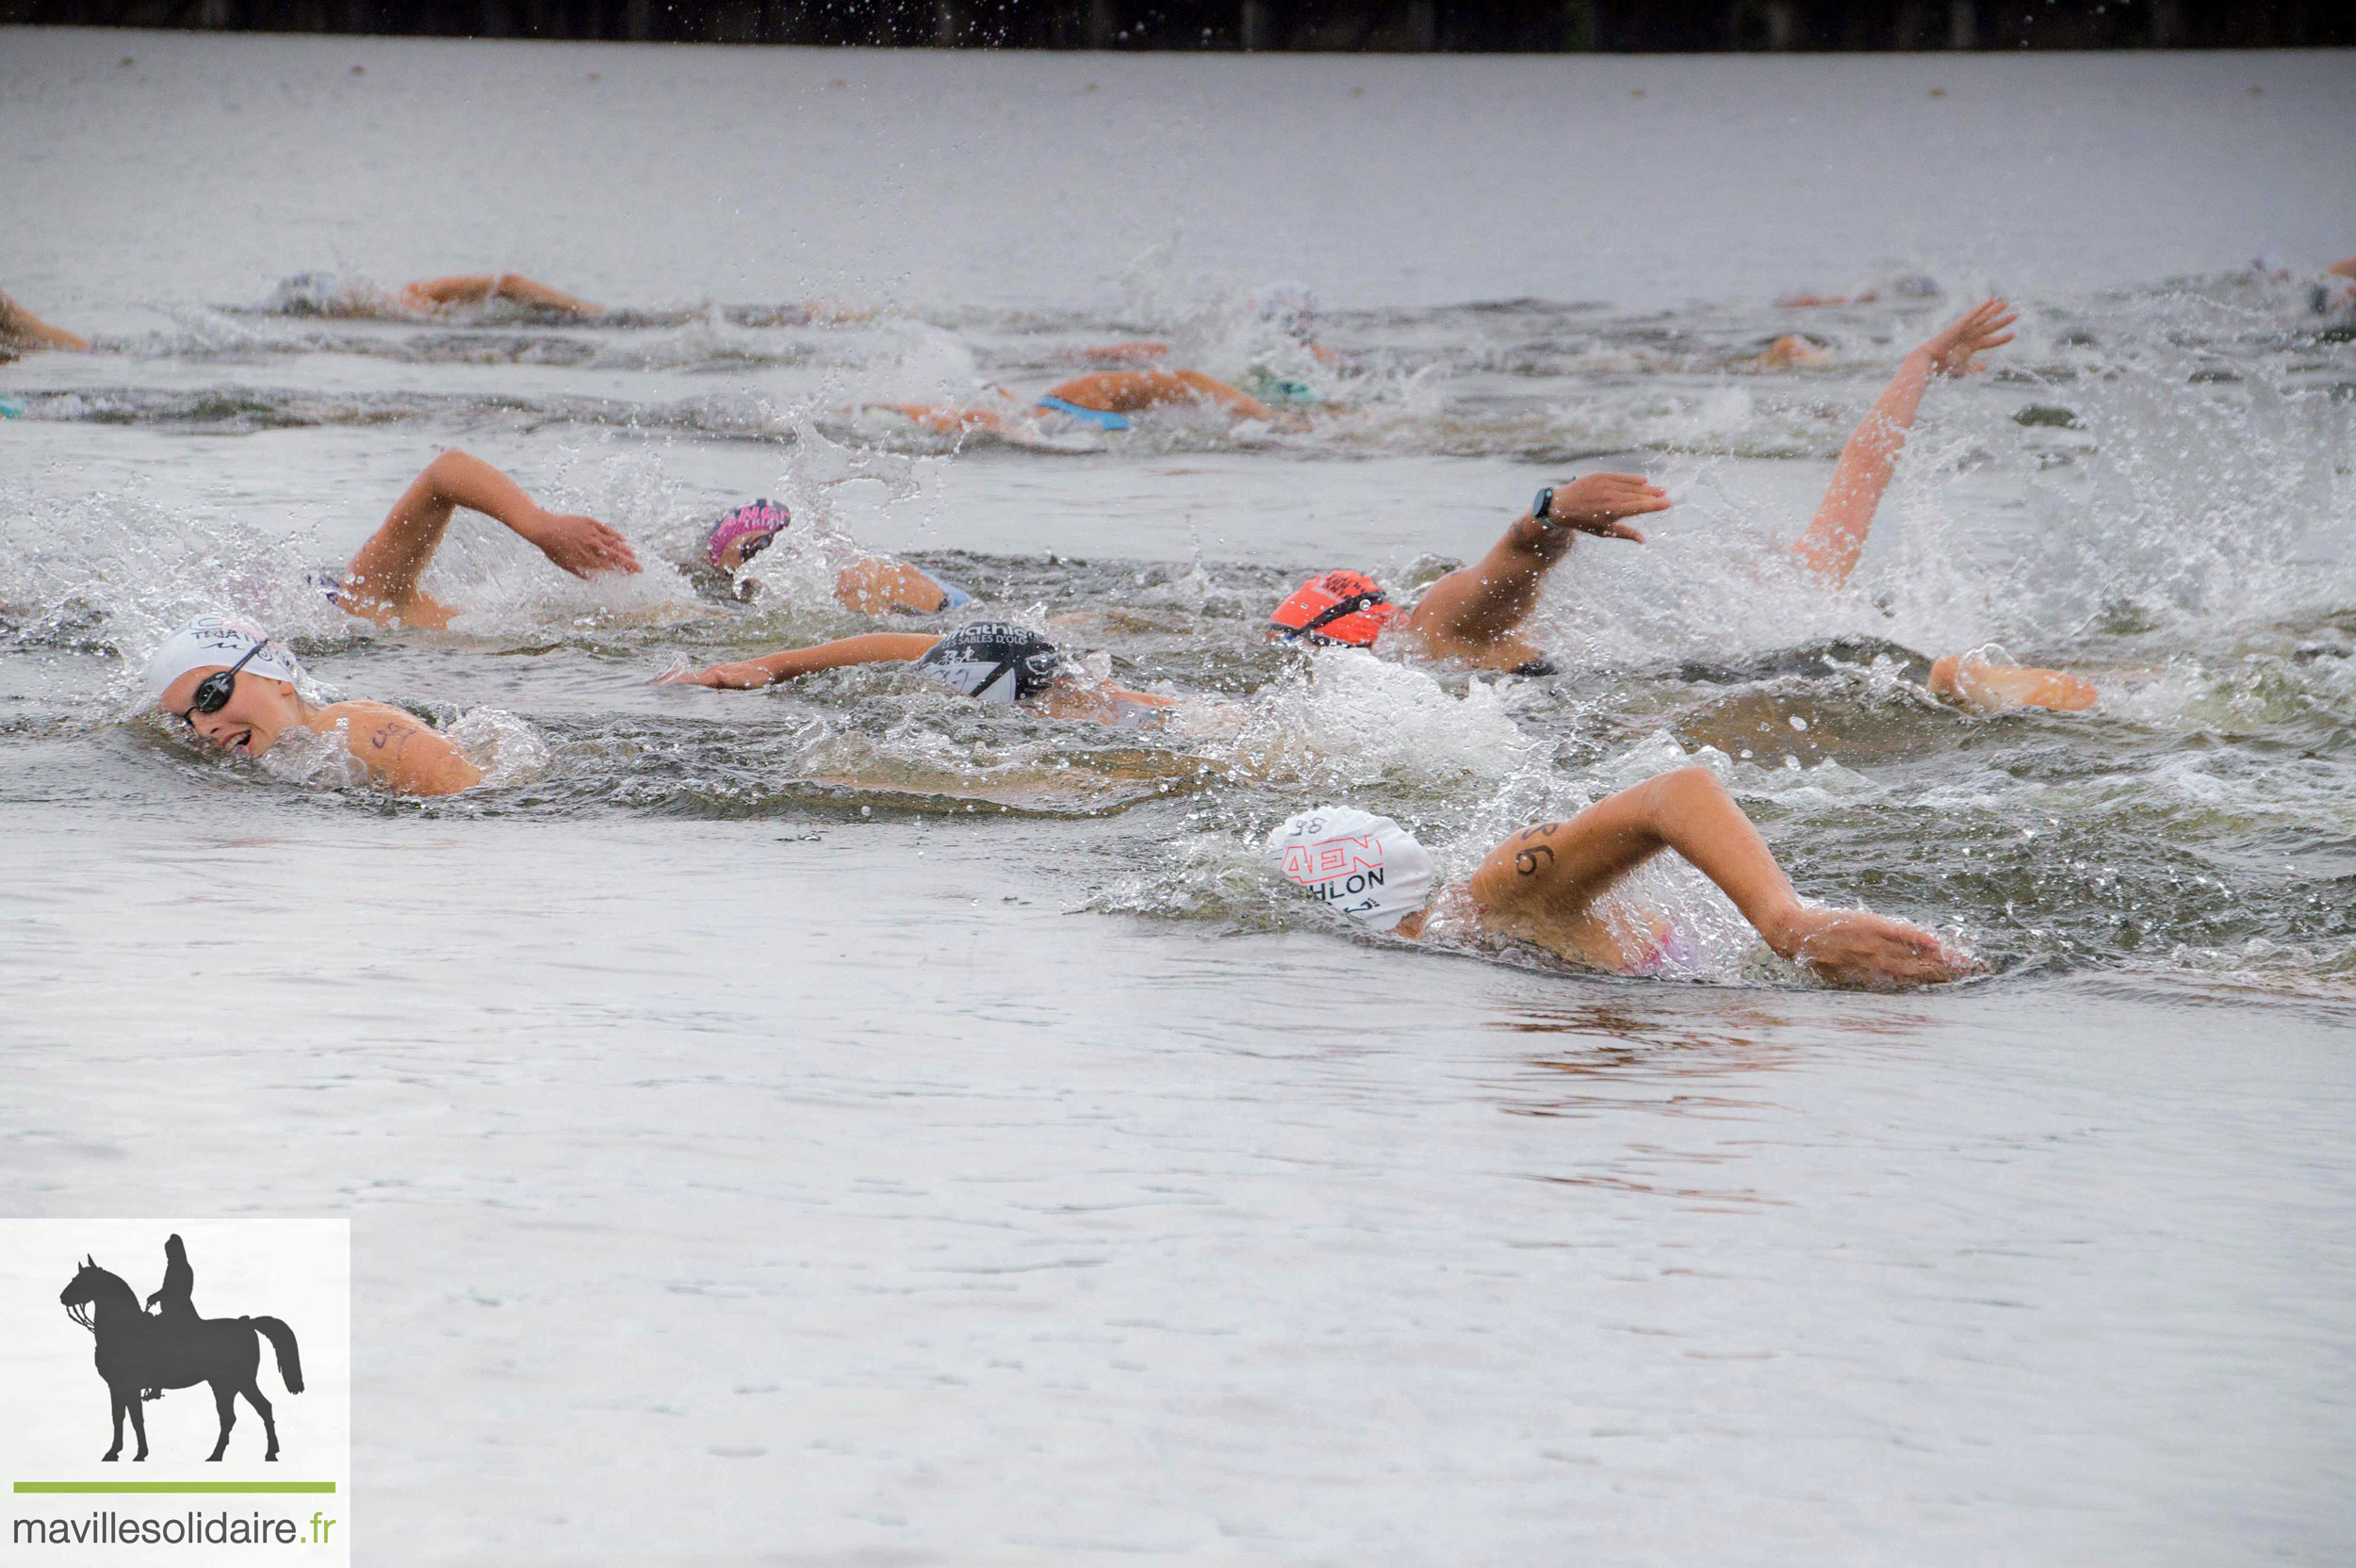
1541 506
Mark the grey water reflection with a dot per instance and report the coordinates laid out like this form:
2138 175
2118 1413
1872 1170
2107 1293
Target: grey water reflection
1680 1099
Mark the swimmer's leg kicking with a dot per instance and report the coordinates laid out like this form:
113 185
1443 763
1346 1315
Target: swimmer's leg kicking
382 583
1836 537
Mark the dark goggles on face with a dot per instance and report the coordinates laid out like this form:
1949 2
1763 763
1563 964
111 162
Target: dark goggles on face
754 544
1312 629
213 692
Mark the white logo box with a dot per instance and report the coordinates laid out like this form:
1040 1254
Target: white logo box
67 1506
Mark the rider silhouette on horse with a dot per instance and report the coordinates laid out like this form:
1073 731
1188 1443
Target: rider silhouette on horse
176 1348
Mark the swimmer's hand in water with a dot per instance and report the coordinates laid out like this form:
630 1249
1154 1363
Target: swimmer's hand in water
1954 351
748 675
582 546
1595 503
1850 947
1983 685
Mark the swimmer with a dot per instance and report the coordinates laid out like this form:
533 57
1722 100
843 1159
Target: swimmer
234 687
1551 885
1103 400
1791 352
2330 290
433 296
991 660
322 294
872 585
1474 615
1829 548
22 330
382 583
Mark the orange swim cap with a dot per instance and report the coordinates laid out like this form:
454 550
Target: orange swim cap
1339 606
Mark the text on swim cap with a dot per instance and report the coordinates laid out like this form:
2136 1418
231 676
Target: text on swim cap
1312 865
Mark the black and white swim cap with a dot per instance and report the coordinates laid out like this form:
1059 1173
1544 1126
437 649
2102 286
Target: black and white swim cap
994 660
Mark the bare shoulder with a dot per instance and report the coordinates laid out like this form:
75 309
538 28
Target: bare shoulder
402 752
1515 875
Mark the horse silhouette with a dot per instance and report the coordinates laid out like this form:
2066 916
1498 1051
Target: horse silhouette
137 1352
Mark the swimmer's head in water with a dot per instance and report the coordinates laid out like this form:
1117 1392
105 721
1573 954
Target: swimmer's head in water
228 680
216 643
994 660
749 528
1348 608
1366 867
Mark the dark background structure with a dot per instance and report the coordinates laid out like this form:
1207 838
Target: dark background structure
1441 25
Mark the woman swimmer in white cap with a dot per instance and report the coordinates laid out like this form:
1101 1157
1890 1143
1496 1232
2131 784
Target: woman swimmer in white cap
994 662
235 686
1547 885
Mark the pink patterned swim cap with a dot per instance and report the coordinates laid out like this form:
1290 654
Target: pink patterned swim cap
762 516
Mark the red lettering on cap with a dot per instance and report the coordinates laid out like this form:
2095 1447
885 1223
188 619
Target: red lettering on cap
1309 864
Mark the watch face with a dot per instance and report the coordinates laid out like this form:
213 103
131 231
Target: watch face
1539 502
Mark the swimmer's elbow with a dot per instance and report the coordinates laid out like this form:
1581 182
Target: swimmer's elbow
444 776
1688 786
446 463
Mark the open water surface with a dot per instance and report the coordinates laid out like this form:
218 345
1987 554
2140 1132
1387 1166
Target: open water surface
840 1124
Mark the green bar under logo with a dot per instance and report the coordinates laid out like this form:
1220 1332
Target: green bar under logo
176 1486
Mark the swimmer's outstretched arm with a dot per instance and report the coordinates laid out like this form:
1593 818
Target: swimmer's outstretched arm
1836 538
875 648
472 288
1542 885
1482 605
382 581
21 329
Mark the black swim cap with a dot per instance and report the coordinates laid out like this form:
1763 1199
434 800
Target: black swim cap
994 660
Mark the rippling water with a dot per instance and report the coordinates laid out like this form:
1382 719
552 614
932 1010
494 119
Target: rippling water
967 1077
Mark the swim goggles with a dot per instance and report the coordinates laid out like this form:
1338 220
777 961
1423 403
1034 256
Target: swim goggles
1333 612
213 692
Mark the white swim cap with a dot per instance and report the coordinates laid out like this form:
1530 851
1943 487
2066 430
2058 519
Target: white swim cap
1367 867
217 642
